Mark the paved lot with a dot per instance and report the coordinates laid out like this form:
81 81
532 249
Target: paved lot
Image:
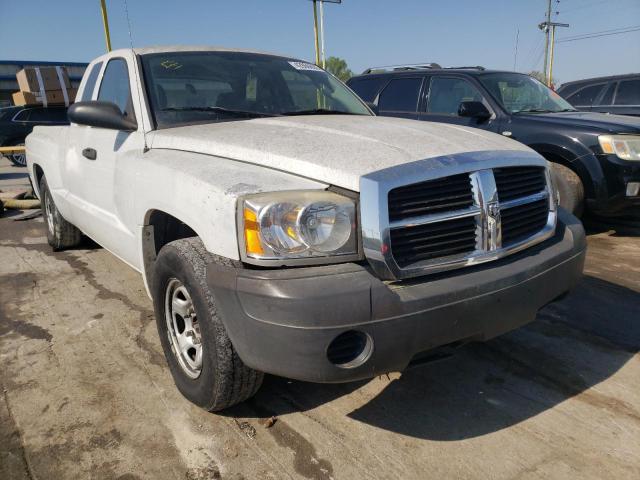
85 392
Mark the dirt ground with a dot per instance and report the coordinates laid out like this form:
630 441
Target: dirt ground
85 392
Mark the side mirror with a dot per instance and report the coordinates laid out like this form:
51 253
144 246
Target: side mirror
373 107
475 110
100 114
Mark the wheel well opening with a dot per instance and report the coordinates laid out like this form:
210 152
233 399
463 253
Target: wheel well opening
37 174
167 228
553 158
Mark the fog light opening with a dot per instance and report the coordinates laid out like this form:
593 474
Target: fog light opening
633 189
350 349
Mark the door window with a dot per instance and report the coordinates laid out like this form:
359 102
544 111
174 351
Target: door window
366 88
446 95
400 95
607 98
628 93
115 86
586 96
22 116
49 115
87 93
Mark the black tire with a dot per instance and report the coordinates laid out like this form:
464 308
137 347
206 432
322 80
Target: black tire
570 189
223 380
60 233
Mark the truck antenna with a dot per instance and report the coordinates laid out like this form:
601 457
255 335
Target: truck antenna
138 81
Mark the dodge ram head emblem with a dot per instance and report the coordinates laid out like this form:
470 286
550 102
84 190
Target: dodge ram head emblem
494 230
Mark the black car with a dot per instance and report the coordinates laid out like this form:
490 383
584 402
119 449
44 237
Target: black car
595 157
18 122
619 94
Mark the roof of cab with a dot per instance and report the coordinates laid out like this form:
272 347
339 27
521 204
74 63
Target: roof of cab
197 48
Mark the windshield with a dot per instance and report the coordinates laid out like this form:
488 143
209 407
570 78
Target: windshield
203 87
521 93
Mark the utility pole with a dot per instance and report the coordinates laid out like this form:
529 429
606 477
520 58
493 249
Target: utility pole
319 31
553 41
549 29
105 22
544 26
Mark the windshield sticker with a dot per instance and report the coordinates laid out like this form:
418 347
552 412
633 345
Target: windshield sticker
305 66
170 65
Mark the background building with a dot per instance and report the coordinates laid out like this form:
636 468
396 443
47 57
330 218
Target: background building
9 68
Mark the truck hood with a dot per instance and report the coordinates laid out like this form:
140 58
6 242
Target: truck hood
333 149
592 121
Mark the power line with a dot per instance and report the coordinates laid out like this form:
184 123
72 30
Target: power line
604 33
600 31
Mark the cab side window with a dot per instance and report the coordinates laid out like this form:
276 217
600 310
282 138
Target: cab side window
446 94
115 86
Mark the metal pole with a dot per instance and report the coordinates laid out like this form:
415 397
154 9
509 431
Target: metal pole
315 31
553 38
105 21
546 32
322 56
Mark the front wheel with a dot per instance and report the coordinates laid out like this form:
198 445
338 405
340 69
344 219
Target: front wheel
203 362
570 188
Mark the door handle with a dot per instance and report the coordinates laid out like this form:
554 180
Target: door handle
90 153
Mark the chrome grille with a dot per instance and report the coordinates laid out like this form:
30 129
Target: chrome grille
424 198
416 221
433 240
523 221
516 182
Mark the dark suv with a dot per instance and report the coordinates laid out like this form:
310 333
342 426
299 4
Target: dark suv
618 94
595 157
17 122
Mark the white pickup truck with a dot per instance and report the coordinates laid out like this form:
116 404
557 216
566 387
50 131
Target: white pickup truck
281 227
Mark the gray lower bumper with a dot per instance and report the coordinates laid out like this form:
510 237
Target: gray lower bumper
282 321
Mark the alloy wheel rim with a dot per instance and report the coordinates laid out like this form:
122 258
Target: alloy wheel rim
183 328
20 159
49 213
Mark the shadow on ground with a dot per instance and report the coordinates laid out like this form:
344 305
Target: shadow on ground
625 226
13 175
574 345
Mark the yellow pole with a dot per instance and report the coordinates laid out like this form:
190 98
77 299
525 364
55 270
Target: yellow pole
553 38
315 31
105 21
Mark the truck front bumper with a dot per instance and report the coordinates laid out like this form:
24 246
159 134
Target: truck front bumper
283 321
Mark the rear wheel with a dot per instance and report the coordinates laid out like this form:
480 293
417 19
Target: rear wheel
60 233
203 362
570 189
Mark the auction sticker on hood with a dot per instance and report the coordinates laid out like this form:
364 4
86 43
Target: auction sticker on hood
305 66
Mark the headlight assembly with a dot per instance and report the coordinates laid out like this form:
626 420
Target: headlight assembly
626 147
278 227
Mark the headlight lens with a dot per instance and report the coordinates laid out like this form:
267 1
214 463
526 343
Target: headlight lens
298 225
626 147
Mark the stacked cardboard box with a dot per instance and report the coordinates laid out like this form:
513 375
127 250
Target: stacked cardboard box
44 86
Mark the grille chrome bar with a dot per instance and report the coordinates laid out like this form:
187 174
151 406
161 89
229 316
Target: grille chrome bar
435 217
522 177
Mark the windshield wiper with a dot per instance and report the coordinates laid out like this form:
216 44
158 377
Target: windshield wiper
535 110
318 111
226 111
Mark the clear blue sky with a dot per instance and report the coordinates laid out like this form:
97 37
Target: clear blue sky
364 32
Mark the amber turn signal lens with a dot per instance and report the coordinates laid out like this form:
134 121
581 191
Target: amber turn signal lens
252 233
